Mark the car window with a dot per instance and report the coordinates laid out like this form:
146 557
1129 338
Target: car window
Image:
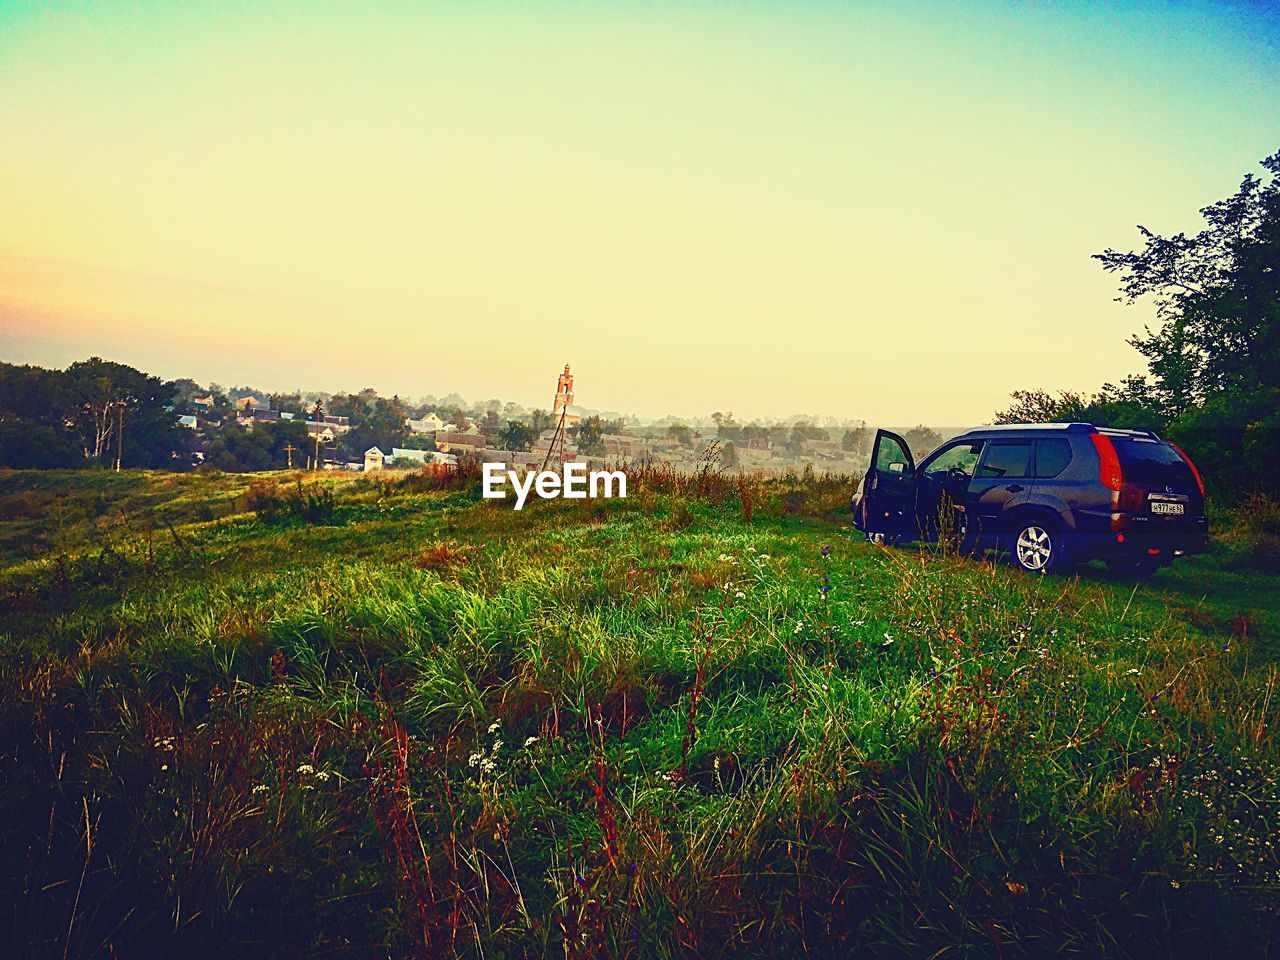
1052 457
1006 460
963 456
1152 461
888 452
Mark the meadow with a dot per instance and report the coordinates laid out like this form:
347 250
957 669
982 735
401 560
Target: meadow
311 715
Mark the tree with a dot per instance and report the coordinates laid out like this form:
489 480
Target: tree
491 424
922 440
540 420
681 434
108 395
1217 297
728 455
516 436
856 440
590 437
317 412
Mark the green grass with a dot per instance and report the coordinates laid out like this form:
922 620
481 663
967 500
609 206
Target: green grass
415 723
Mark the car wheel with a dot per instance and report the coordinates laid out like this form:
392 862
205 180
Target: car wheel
1038 546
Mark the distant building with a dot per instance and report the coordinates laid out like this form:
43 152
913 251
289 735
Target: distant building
448 441
248 403
188 421
428 424
373 458
203 401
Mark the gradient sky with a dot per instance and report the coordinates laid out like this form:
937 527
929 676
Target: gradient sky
863 210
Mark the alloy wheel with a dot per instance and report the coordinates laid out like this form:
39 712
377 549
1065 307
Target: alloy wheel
1034 547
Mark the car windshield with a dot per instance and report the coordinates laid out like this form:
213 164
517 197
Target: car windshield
963 456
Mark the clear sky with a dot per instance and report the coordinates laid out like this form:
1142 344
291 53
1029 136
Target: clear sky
868 210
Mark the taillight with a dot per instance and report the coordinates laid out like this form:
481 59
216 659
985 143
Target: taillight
1109 472
1194 469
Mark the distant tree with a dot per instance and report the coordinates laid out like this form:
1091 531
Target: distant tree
107 394
856 440
590 437
728 455
491 424
317 412
539 420
726 427
681 434
459 420
419 441
922 440
516 436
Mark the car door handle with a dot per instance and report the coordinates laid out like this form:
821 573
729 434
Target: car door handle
1014 487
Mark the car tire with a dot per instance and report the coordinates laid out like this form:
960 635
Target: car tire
1037 545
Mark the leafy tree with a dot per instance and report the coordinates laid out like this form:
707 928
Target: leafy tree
590 437
922 440
856 440
516 436
539 420
726 427
681 434
1217 297
728 455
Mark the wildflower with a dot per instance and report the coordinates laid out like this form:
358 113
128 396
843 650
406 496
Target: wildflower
764 556
529 742
306 768
497 745
474 759
739 594
260 788
493 727
322 776
724 557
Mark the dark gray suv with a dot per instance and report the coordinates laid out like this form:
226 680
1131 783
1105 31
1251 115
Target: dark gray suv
1047 494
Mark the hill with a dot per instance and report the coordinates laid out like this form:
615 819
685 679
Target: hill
365 716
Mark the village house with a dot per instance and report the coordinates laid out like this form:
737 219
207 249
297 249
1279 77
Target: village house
189 421
427 424
373 458
448 441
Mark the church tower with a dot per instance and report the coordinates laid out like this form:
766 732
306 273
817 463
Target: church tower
564 393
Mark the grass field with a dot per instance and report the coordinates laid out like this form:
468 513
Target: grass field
366 717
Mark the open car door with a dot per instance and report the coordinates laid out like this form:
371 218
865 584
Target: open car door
889 490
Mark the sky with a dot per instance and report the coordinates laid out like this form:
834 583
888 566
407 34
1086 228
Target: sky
876 211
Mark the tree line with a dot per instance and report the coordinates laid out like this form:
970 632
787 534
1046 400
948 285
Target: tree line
1213 358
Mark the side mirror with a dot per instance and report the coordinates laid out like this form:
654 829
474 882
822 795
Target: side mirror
897 467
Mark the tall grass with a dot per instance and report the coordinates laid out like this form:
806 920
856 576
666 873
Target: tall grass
708 720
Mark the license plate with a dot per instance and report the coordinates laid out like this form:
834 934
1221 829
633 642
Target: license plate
1170 508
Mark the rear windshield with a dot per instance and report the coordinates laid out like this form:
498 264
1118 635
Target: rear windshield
1149 461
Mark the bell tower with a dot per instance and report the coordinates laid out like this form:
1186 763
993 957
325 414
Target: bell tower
564 393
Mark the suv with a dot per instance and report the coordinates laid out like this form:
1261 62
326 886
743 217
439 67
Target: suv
1049 494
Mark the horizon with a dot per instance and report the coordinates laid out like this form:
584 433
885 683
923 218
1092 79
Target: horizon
455 200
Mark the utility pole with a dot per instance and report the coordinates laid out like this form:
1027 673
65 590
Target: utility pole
317 460
288 452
